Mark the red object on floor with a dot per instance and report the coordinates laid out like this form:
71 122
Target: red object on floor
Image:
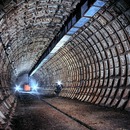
27 87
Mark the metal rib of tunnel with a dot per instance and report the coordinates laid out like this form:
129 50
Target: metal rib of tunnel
93 64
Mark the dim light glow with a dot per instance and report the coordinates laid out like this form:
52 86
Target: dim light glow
99 3
73 30
81 22
92 11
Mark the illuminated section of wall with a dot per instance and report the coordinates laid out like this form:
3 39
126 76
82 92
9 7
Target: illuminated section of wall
95 65
76 22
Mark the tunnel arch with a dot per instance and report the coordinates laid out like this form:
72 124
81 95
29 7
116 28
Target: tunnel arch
93 66
100 52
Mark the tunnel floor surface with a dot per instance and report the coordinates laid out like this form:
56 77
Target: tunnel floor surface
64 114
35 114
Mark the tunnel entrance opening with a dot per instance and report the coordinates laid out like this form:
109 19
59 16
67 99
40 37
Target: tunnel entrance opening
33 85
25 84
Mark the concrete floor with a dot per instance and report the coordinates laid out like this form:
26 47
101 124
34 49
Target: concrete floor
64 114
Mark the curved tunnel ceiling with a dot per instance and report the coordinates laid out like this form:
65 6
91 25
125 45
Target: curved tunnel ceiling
94 66
28 27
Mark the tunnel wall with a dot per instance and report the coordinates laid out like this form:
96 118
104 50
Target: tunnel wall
94 66
7 100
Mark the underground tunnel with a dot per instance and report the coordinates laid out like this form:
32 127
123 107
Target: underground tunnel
64 64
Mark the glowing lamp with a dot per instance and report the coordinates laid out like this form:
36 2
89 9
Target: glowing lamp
17 88
34 87
59 82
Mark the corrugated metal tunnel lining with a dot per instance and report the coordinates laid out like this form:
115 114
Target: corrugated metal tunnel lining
94 66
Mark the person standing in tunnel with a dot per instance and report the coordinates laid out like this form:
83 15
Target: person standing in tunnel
58 88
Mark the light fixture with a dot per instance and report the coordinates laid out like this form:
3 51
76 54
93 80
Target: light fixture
17 88
34 88
59 82
33 84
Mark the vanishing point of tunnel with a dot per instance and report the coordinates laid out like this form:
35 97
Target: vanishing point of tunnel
64 64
